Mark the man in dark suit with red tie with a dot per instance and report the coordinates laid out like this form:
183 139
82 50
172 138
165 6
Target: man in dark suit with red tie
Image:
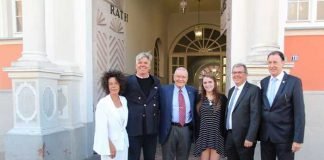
283 113
177 116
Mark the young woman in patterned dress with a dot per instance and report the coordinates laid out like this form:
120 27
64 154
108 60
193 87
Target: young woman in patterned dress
211 109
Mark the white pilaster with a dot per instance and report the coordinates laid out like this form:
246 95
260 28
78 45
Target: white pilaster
256 28
34 87
34 77
69 100
34 47
4 19
35 101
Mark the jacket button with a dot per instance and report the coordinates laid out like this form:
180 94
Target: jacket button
139 98
144 105
143 115
154 104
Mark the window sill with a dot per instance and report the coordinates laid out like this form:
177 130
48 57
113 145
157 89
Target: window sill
304 26
11 40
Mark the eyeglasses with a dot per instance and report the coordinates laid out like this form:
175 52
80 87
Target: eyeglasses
238 72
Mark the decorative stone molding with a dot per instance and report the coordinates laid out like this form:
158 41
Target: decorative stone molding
68 108
25 98
258 70
49 103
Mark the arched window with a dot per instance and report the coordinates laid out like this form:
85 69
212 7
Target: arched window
156 58
200 56
212 41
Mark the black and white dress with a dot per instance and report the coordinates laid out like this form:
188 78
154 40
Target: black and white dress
211 130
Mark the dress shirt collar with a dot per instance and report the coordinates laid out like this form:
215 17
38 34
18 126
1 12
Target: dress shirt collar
183 89
241 86
279 77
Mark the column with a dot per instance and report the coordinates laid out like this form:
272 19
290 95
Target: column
267 28
34 48
4 19
268 20
36 131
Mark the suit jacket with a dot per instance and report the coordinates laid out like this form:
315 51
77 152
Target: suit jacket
111 125
246 115
142 108
284 121
166 96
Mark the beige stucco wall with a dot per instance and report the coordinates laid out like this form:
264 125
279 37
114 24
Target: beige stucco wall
147 21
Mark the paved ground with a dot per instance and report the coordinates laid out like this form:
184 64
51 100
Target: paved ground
158 155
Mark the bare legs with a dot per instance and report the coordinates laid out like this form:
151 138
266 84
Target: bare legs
209 154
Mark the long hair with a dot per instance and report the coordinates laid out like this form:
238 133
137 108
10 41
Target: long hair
216 95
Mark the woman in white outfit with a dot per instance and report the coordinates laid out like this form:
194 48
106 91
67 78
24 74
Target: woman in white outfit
111 139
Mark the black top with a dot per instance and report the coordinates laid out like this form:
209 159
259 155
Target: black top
146 84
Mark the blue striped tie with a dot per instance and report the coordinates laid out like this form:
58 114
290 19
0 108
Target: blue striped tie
272 90
230 106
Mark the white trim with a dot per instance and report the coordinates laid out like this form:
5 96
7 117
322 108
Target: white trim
10 41
314 92
318 25
301 32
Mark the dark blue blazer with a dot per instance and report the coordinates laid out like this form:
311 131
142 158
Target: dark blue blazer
284 121
246 115
166 95
142 109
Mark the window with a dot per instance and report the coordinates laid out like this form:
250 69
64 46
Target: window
156 59
298 10
17 17
305 14
320 10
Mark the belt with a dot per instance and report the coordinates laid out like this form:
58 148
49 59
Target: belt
179 125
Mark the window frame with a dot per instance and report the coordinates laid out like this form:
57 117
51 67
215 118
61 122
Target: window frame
298 2
311 23
15 32
316 6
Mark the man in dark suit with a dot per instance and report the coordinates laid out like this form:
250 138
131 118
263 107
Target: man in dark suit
142 94
243 115
283 113
177 108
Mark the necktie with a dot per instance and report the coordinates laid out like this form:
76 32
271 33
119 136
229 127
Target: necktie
230 106
272 90
182 108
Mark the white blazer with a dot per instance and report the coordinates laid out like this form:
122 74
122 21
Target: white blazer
110 123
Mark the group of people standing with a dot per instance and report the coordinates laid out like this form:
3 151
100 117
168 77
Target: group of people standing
138 111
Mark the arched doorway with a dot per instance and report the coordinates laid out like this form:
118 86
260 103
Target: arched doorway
200 56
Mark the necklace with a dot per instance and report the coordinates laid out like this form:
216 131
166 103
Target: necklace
210 99
210 102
